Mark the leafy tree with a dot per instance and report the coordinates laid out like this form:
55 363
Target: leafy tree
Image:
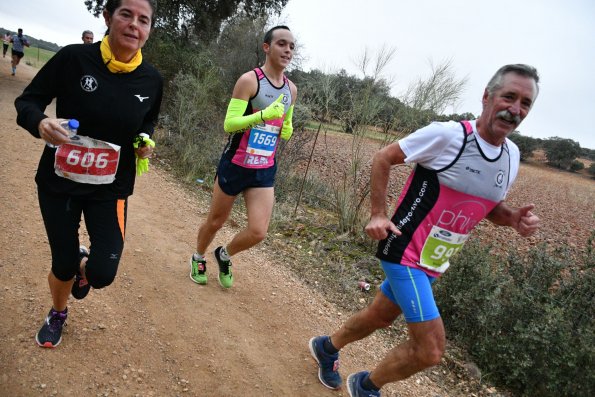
319 90
241 39
408 119
526 144
201 19
456 117
386 118
591 170
347 86
588 153
560 152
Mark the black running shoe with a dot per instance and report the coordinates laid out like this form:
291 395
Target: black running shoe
225 275
80 287
50 333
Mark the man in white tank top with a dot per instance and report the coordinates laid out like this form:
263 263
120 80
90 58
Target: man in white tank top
462 174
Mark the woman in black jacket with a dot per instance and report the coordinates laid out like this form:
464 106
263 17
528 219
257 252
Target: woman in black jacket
115 96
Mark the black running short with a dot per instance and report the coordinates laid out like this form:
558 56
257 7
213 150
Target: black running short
234 179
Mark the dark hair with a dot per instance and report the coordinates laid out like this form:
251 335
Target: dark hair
20 30
518 68
112 5
268 36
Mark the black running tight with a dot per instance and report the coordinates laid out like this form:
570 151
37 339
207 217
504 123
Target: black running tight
105 221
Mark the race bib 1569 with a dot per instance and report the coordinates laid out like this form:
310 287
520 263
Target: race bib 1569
263 140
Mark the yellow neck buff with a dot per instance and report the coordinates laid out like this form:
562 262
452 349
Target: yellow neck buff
114 65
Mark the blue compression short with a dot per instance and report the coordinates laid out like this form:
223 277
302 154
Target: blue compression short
411 290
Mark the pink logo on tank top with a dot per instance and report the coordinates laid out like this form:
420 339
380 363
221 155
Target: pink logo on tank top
455 212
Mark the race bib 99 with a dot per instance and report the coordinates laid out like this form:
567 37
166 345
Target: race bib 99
439 247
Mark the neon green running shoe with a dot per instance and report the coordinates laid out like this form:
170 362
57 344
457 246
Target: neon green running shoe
198 270
225 275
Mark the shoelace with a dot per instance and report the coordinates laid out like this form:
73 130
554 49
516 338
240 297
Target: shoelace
226 267
56 320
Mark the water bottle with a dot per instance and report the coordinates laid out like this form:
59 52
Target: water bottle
71 126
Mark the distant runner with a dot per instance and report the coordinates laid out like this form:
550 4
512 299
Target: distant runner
19 42
5 43
462 175
87 37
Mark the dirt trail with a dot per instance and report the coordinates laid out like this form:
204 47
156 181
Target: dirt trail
154 332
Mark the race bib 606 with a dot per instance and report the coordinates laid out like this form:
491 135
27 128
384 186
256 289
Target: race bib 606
87 160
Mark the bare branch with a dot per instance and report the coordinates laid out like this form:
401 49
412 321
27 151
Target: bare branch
437 92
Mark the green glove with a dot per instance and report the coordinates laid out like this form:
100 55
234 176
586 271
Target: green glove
274 111
142 165
287 128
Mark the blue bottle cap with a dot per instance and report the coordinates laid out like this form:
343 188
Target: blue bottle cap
73 124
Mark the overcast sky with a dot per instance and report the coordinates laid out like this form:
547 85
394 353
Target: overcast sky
555 36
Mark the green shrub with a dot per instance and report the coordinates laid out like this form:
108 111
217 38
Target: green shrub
193 135
576 166
528 323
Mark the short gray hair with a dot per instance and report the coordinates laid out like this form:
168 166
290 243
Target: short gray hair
518 68
87 32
